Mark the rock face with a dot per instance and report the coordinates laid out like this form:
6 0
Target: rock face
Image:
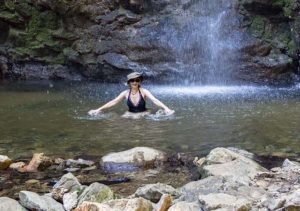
106 40
269 52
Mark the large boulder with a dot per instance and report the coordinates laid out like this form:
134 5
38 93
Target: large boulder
220 184
225 162
132 159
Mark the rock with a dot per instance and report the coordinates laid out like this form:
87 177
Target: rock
292 201
219 184
138 204
38 162
33 201
79 163
96 192
17 166
88 206
154 192
186 206
4 162
119 61
68 183
220 200
224 162
164 203
290 165
8 204
70 200
132 159
72 169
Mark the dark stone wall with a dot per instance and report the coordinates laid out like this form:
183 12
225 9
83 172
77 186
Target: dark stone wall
105 39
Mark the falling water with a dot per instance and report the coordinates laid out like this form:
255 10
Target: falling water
206 45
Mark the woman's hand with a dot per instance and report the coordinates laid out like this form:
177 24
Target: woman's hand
94 112
169 111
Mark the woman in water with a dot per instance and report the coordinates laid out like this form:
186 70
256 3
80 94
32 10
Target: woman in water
135 97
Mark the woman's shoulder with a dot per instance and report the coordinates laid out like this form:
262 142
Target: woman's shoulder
144 90
125 92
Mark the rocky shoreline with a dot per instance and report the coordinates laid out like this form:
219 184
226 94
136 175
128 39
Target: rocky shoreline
225 179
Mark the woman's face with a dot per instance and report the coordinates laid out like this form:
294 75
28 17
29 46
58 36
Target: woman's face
135 82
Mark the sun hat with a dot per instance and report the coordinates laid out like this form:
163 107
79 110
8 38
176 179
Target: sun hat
134 75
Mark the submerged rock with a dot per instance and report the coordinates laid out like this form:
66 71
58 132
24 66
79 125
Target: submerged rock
79 163
132 159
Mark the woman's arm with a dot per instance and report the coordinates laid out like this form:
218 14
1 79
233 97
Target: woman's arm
109 104
157 102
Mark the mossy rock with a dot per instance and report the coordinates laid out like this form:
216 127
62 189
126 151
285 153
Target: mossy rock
12 18
20 53
292 48
290 7
96 192
17 37
257 27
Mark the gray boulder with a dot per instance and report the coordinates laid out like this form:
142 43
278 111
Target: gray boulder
153 192
132 159
68 183
96 192
33 201
8 204
186 206
225 162
214 201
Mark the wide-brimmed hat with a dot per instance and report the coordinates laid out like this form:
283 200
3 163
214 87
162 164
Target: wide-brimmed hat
134 75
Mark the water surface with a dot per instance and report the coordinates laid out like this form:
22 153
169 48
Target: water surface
52 118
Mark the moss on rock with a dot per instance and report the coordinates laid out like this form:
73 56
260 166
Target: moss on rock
257 27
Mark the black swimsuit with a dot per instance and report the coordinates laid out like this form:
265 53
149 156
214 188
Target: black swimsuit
139 107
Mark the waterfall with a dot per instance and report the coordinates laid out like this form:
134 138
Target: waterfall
204 39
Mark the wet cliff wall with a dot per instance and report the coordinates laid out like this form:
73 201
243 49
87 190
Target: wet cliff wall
105 40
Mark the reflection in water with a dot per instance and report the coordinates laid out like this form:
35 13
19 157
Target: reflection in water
53 119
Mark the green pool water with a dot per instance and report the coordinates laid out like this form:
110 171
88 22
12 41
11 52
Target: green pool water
51 117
